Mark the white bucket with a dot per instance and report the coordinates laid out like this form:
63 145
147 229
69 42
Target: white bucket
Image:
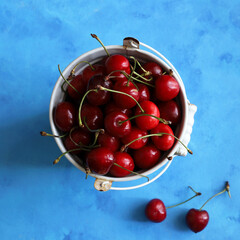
130 48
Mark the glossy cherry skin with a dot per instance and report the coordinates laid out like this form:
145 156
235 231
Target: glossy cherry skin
134 134
101 97
125 101
93 116
197 220
100 160
153 68
164 142
124 160
117 62
155 210
78 136
166 88
170 111
113 125
65 116
88 73
112 107
111 142
147 156
144 93
147 122
79 85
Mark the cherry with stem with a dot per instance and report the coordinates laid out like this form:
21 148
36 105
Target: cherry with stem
197 219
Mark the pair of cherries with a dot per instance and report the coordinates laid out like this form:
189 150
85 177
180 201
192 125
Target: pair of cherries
196 219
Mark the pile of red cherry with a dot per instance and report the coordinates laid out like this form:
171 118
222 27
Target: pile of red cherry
119 115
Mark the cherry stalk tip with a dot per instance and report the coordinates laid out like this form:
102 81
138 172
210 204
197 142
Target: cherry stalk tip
42 133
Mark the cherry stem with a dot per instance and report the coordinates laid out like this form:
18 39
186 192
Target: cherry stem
69 151
142 76
96 37
133 69
91 66
132 171
145 114
92 130
45 134
148 84
67 80
196 194
125 74
123 93
138 64
226 189
80 106
155 135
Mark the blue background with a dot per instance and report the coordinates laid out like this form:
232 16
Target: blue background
39 201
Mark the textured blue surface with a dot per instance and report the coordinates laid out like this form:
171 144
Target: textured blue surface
39 201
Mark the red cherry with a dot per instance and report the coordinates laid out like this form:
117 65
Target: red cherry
164 142
156 210
93 116
144 93
111 107
88 73
166 88
124 101
113 125
124 160
170 111
79 85
117 62
146 157
197 220
147 122
111 142
100 160
78 136
154 69
134 134
65 116
101 97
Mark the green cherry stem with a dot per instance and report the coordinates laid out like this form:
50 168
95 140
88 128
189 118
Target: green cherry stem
69 151
131 171
146 114
67 80
226 189
133 69
142 76
125 74
80 106
123 93
45 134
155 135
96 37
138 63
196 194
73 70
